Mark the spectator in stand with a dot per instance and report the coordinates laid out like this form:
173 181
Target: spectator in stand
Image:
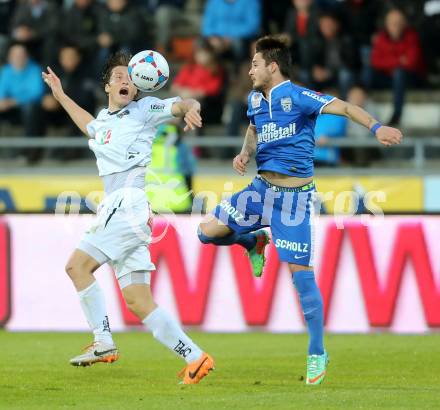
203 79
121 27
301 25
360 17
413 10
77 83
334 56
35 24
361 156
230 25
166 13
328 4
397 60
274 13
239 89
358 96
80 27
6 12
21 89
430 33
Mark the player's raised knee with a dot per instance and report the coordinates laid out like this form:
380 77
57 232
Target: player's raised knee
211 228
202 236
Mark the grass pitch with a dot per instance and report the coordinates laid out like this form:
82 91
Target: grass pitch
253 371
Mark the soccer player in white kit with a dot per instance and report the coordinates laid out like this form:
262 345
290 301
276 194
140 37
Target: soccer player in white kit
121 137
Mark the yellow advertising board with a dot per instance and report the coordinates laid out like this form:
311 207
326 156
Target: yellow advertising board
35 193
39 193
391 194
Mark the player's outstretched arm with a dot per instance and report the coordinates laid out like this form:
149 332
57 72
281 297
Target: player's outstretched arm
385 135
189 110
79 116
247 151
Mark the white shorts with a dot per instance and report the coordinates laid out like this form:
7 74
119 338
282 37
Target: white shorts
121 232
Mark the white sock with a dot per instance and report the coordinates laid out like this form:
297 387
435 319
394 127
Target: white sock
93 305
168 332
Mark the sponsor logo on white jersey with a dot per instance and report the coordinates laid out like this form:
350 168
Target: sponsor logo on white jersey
132 154
272 132
302 247
104 137
156 107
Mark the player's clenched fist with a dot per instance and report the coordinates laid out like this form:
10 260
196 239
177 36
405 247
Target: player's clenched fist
239 163
388 135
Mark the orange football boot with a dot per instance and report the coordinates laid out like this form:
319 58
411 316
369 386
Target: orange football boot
195 371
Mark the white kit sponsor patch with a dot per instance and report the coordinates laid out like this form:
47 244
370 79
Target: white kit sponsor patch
158 107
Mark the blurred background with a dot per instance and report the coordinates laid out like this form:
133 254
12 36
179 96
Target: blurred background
381 55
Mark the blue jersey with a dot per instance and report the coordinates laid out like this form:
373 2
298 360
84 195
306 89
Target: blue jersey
285 125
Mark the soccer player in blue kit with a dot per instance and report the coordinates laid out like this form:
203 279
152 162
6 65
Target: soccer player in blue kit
281 132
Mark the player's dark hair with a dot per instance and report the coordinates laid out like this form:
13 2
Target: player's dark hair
275 50
115 60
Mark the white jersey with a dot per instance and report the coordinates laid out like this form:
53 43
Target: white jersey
123 139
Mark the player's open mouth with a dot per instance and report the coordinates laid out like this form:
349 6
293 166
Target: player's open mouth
123 91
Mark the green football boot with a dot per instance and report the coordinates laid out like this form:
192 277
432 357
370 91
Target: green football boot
316 368
256 254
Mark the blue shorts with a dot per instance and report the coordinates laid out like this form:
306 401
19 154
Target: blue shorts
287 211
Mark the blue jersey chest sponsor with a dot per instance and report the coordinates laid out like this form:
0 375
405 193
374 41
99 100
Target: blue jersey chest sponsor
272 132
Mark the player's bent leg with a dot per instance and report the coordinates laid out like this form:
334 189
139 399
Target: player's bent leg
211 227
257 253
225 236
165 329
312 306
213 231
138 295
80 268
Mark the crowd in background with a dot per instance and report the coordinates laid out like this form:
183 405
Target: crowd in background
346 46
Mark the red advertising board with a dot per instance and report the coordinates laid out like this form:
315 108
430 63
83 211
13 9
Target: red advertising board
5 277
372 273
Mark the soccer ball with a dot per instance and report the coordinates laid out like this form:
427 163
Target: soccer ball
148 70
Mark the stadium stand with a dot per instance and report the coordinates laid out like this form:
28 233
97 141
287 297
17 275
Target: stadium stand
176 27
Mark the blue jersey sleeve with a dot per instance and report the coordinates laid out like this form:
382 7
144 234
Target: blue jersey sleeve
311 102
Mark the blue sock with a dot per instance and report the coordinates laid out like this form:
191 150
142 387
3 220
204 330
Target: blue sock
247 240
312 306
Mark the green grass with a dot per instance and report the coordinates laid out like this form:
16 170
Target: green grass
253 371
